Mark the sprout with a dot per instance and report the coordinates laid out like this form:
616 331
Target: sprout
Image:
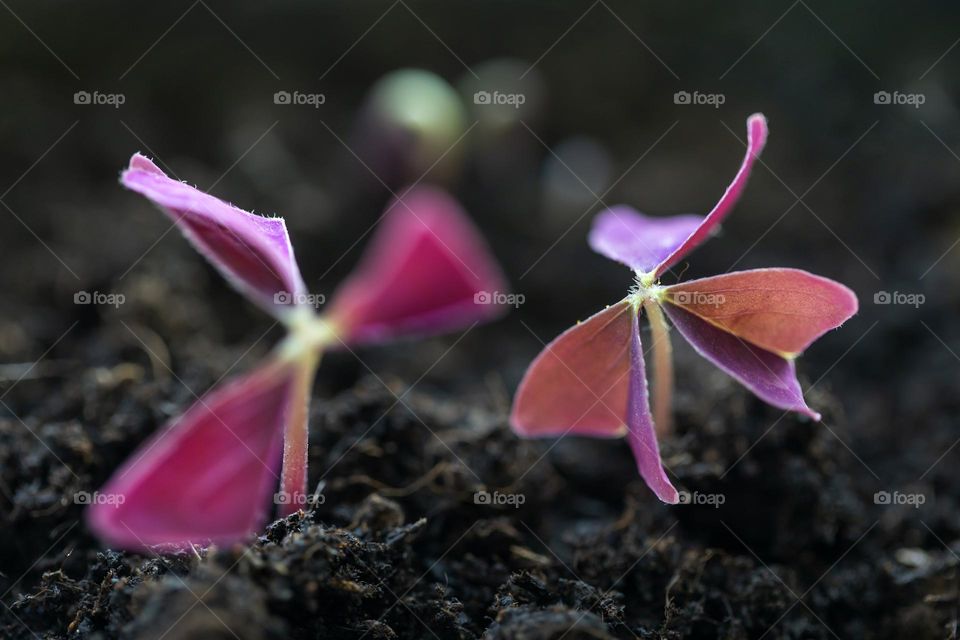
210 474
751 324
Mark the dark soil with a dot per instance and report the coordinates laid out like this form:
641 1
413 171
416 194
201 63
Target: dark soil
399 548
403 437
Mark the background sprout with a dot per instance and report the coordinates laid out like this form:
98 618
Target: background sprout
209 475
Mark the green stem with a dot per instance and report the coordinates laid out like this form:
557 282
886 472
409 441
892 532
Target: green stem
662 368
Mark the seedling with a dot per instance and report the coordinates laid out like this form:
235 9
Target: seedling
751 324
210 474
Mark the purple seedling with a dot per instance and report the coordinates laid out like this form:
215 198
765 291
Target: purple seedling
209 475
751 324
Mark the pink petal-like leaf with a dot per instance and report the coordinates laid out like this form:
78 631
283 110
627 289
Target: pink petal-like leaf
780 310
642 433
653 245
209 475
756 139
638 241
252 252
579 384
427 270
769 376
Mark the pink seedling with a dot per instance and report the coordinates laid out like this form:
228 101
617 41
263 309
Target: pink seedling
751 324
210 474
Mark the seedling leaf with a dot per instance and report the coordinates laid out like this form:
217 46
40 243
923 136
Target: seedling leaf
638 241
254 253
579 384
780 310
756 139
426 271
769 376
651 245
642 434
209 475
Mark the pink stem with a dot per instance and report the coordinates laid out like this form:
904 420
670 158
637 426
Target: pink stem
293 481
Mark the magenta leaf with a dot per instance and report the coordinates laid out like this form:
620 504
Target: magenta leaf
653 245
252 252
769 376
427 270
209 475
642 433
579 384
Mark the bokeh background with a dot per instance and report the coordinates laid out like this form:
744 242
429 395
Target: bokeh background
859 182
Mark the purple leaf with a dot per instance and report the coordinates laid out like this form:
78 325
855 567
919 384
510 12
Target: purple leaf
638 241
770 377
653 245
426 271
252 252
756 139
209 475
641 432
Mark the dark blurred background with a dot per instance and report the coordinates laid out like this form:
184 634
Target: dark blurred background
318 111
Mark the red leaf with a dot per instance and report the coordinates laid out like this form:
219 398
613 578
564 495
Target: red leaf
580 382
780 310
